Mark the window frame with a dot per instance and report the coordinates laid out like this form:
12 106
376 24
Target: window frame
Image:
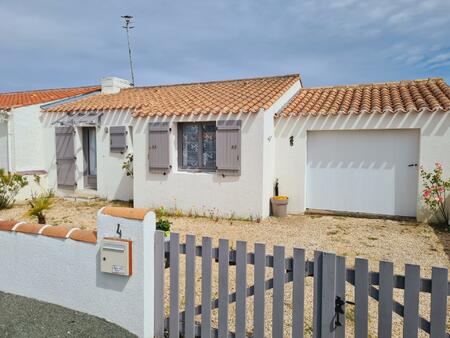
200 140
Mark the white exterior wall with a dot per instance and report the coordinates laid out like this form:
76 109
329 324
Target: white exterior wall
67 273
291 162
112 181
203 193
246 195
27 152
4 144
269 148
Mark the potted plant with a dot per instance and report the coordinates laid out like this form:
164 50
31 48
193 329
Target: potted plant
279 205
164 225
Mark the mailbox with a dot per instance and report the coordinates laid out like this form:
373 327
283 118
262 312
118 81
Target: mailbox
116 256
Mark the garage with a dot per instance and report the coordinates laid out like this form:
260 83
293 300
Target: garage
363 171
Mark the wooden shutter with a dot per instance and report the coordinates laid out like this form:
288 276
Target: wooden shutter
228 147
158 147
118 139
65 157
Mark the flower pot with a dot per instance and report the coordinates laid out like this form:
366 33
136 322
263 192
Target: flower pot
279 206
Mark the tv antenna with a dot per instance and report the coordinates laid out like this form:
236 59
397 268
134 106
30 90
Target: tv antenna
128 22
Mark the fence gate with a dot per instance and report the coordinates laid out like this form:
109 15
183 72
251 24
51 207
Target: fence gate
271 275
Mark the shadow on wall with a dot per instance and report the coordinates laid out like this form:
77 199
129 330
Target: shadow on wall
108 281
436 124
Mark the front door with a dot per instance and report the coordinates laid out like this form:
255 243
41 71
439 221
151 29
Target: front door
90 157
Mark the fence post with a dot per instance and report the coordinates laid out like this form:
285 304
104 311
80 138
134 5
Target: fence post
324 294
159 284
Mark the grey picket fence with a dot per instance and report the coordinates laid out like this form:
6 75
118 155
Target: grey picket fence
329 297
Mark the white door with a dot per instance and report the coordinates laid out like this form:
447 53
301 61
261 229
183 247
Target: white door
367 171
4 145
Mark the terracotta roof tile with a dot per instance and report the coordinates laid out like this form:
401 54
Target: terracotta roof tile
232 96
393 97
57 231
130 213
20 99
7 225
88 236
29 228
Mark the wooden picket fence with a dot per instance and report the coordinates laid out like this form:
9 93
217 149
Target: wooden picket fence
330 275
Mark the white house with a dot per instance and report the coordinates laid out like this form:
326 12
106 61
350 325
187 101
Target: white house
21 141
218 148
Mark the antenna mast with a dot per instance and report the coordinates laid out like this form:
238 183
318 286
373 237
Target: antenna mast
128 19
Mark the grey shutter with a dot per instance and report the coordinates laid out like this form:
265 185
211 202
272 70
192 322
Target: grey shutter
158 147
228 147
65 157
118 139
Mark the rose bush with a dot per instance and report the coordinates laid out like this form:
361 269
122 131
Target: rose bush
435 191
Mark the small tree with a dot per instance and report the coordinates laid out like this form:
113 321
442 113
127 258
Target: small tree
435 191
10 184
40 203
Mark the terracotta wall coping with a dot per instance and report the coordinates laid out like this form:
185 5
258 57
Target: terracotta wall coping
87 236
131 213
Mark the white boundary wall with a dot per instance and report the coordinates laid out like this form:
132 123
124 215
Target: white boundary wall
67 273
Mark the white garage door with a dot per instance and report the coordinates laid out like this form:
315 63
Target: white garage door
372 171
3 145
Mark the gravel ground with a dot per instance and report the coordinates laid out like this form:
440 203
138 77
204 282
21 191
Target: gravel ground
400 242
64 212
25 317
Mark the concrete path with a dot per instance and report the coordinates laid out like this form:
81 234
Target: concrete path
25 317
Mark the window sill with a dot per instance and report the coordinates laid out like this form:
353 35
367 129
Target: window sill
196 171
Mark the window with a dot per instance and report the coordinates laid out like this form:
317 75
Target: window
197 146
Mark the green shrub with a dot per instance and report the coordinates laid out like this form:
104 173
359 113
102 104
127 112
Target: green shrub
40 203
10 184
164 225
435 192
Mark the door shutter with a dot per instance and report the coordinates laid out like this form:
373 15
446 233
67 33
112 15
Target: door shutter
65 157
118 139
158 147
228 147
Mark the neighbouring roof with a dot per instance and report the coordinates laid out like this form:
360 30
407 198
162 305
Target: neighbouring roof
20 99
232 96
416 95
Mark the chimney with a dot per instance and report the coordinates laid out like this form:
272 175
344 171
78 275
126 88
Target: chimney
112 85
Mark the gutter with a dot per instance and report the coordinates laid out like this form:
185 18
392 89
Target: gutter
67 100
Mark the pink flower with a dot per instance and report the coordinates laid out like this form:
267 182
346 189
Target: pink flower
441 189
426 194
437 199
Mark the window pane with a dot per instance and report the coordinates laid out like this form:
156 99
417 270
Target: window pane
209 146
190 145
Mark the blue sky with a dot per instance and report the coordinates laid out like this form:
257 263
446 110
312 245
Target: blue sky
54 43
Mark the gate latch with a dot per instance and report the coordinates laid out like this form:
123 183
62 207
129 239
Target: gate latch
339 309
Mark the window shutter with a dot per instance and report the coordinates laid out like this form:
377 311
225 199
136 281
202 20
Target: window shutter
65 157
158 147
228 147
118 139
